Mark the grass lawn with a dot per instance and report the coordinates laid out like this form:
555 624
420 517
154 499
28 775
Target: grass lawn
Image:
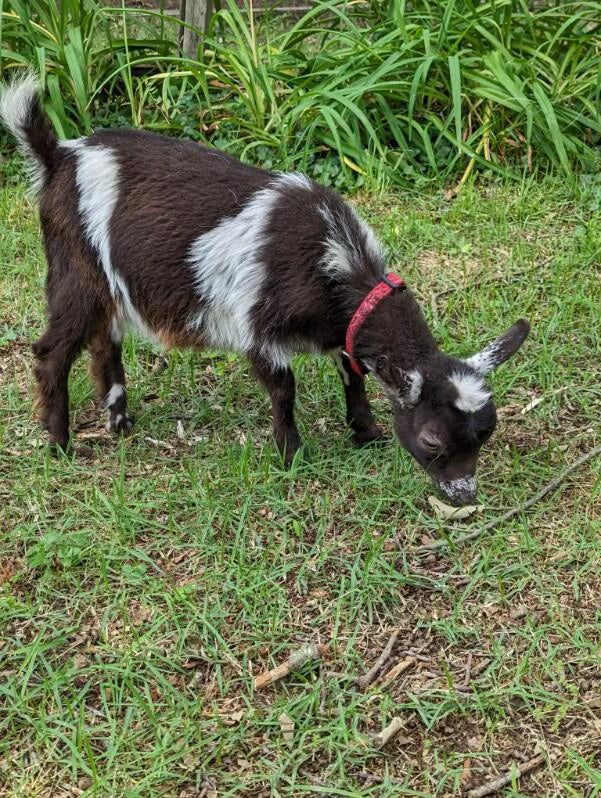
146 581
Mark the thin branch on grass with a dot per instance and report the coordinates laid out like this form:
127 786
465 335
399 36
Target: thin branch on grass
503 781
519 508
388 732
468 670
295 661
364 681
399 668
371 778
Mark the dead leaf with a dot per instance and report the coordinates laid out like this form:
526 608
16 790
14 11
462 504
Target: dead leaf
519 612
79 661
179 430
234 717
447 512
287 727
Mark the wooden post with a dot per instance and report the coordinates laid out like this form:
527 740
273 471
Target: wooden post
197 13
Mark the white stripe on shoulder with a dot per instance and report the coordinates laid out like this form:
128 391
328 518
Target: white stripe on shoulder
228 276
472 394
97 178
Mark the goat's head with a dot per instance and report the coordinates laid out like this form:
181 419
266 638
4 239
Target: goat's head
444 412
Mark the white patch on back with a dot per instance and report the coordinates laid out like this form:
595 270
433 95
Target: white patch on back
16 99
473 394
116 392
228 275
97 178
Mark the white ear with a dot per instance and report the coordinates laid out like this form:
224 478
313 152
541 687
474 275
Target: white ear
500 350
410 391
404 388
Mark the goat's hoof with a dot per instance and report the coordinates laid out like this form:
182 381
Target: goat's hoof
60 447
368 435
288 446
121 423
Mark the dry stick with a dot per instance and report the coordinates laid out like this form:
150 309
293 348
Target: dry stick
394 727
551 486
503 781
399 668
296 660
468 670
364 681
371 778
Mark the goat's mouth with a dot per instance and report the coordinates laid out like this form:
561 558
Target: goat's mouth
461 490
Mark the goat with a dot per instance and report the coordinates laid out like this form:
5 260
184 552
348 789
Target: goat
192 248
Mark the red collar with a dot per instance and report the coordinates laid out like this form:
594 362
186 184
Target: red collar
382 289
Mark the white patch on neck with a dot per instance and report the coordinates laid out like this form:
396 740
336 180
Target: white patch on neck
294 180
346 245
372 243
472 393
97 178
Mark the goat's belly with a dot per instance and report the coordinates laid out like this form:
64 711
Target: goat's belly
211 326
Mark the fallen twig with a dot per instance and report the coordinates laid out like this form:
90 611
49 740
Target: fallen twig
371 778
155 442
364 681
468 670
503 781
295 661
399 668
388 732
519 508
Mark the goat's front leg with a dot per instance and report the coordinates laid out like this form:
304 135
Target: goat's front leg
358 412
280 385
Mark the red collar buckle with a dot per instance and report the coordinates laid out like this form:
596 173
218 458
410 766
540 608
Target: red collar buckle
385 286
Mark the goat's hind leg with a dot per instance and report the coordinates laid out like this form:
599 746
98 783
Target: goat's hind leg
109 374
55 352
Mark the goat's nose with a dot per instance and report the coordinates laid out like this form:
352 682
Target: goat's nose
461 490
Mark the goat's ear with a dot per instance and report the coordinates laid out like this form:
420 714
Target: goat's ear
404 387
500 350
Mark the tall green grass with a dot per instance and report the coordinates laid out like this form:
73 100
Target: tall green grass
388 91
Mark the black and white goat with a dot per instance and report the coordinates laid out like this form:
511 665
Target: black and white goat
192 248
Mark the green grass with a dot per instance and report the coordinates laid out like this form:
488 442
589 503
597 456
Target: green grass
144 585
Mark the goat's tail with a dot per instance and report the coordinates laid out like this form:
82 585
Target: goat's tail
22 113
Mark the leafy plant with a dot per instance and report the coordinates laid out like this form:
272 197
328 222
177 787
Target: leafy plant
385 92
